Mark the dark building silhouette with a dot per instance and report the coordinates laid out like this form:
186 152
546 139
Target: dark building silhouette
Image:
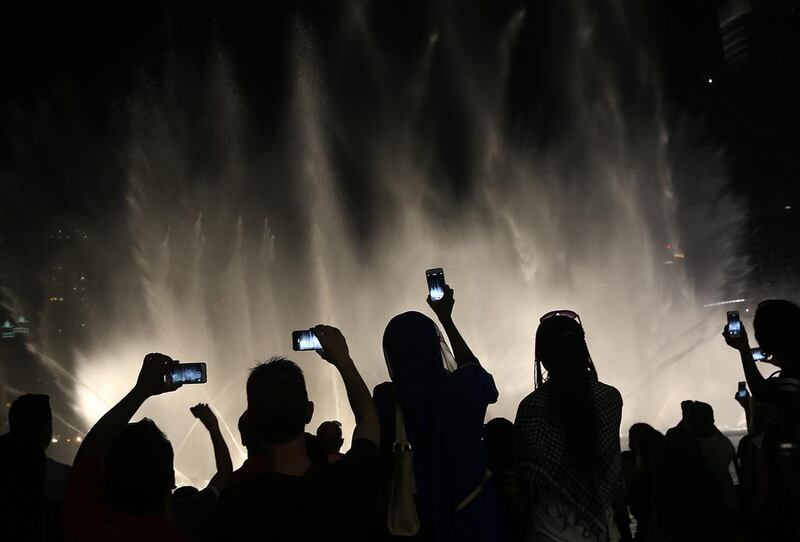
757 89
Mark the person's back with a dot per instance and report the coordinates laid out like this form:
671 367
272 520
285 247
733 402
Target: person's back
643 467
547 461
442 398
320 504
23 469
717 451
295 498
501 462
22 479
120 496
694 506
123 474
567 438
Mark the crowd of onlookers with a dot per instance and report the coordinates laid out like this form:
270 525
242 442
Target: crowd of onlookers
422 465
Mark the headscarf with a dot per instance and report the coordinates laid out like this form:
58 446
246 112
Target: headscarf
409 355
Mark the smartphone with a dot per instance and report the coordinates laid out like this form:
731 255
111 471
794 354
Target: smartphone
435 283
758 354
305 340
734 324
188 373
742 390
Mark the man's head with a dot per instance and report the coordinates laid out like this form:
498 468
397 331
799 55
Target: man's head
686 410
30 418
250 438
703 413
330 436
636 433
498 438
776 326
139 470
277 401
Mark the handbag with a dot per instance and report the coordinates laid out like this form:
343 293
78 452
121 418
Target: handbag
402 518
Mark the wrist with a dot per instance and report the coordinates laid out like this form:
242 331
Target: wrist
445 318
138 394
344 362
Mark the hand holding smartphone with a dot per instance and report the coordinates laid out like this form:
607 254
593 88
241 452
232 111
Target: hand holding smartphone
435 278
305 340
742 392
735 334
188 373
332 346
759 354
734 324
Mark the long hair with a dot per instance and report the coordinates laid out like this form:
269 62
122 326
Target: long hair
561 348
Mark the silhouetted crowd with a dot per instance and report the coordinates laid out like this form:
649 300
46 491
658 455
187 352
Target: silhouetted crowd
422 465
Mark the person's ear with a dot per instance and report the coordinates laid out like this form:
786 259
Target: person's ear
309 411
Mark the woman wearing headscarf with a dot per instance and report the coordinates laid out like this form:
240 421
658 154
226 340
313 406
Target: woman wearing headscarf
567 438
438 400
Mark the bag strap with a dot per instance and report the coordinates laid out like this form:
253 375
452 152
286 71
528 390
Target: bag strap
475 492
401 443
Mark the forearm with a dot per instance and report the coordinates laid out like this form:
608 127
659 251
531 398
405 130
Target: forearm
755 381
96 443
222 456
461 350
361 403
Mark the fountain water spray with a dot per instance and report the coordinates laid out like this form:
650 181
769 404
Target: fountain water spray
229 252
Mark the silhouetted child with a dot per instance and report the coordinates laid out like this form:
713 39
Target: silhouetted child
501 462
194 509
643 480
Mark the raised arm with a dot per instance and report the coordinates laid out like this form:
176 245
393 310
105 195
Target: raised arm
754 378
151 381
744 402
443 308
335 351
222 456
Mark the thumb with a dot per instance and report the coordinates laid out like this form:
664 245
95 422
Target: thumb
172 387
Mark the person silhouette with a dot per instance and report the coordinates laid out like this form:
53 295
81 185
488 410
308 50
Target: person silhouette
23 466
297 498
123 474
440 400
194 508
567 438
330 438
